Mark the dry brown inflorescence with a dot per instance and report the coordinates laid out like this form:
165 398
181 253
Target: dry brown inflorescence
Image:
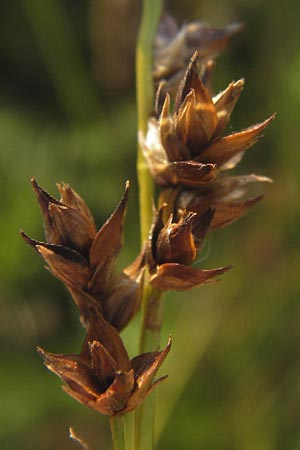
189 158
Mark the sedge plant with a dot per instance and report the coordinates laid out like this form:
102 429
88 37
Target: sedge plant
185 190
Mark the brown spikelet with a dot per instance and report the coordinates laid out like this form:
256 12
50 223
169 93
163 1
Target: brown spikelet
84 259
102 376
186 148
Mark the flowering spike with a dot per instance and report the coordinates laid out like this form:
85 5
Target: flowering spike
176 143
102 376
83 259
173 246
175 241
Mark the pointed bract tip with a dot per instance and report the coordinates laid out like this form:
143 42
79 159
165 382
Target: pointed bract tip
271 118
194 59
77 439
33 181
169 343
24 235
239 83
165 110
226 268
41 352
43 197
125 196
35 185
262 178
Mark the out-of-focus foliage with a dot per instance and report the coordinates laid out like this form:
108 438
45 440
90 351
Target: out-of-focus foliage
67 112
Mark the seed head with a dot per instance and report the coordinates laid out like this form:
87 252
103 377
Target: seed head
102 376
174 246
83 258
186 148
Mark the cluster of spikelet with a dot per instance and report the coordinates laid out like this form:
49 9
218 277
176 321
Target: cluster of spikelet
102 376
189 158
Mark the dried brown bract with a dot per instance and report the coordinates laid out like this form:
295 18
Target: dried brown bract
84 259
227 195
102 376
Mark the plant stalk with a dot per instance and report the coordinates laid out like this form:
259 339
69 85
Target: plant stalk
150 338
117 432
145 101
151 301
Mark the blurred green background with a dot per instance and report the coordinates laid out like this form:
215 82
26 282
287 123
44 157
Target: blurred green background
67 112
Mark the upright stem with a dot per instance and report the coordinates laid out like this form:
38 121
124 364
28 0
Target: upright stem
151 319
145 101
151 305
117 432
150 338
151 302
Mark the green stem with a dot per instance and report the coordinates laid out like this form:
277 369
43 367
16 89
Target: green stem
151 319
145 101
151 302
129 431
150 338
151 305
117 432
